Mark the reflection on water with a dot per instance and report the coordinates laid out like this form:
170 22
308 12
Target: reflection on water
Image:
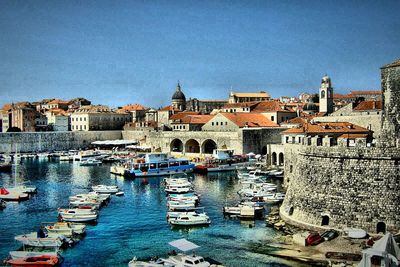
134 224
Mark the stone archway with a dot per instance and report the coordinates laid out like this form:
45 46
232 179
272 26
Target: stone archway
281 160
176 145
274 159
192 146
208 146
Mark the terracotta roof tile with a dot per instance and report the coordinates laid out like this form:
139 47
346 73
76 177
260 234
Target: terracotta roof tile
271 105
194 119
245 94
170 107
369 105
180 115
328 127
132 107
242 119
241 104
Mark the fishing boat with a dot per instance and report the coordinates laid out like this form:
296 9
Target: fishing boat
105 189
158 164
67 229
32 239
190 219
34 261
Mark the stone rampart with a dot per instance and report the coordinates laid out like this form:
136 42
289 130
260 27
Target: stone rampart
49 141
341 187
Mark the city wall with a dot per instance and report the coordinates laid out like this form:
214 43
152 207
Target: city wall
338 187
49 141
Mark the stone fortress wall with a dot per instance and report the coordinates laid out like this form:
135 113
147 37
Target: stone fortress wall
341 186
52 141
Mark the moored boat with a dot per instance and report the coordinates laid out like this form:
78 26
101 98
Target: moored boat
190 219
33 240
34 261
105 189
12 194
90 162
65 228
23 254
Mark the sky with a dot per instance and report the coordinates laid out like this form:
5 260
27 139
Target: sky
121 52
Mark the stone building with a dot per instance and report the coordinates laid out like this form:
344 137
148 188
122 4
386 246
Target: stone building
204 106
138 112
58 120
338 185
190 122
236 97
99 117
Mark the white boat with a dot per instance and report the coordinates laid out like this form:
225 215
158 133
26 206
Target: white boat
85 203
66 157
182 197
119 194
26 189
65 228
105 189
78 215
33 240
23 254
190 219
178 189
91 195
181 205
90 162
171 215
12 194
175 260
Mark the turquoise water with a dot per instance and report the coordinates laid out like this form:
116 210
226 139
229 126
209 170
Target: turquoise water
135 224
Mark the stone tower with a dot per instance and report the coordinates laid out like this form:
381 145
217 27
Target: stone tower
390 79
179 99
326 95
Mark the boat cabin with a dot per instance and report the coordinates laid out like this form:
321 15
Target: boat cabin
160 165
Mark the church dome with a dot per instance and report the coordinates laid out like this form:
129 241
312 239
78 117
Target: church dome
178 95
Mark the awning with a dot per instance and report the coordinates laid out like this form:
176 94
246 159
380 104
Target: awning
138 147
115 142
183 245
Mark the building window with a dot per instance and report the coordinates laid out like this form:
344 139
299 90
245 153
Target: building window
287 139
226 123
212 123
272 118
80 118
84 118
80 127
216 123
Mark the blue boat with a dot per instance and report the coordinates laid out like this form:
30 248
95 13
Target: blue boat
158 164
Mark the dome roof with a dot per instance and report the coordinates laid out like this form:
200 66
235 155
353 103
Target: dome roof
178 95
310 106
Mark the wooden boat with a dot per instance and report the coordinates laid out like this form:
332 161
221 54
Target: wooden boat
34 261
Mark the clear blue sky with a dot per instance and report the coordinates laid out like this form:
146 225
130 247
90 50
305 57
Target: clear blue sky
119 52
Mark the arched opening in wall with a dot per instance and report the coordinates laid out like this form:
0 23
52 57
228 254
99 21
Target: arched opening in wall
208 146
176 145
273 158
381 228
192 146
291 210
325 220
264 150
281 159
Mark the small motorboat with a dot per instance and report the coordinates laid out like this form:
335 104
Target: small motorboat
178 189
86 202
12 194
181 205
35 261
26 189
65 228
105 189
91 195
41 240
119 194
78 215
190 219
90 162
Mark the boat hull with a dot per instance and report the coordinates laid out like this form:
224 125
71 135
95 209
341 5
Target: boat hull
163 172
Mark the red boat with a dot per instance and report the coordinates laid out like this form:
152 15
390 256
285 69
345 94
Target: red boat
36 261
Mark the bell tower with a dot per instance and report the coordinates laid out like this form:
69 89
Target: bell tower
326 95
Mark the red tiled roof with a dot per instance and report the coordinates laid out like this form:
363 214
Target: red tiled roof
327 127
6 107
242 119
353 135
57 111
170 107
132 107
180 115
195 119
271 105
369 105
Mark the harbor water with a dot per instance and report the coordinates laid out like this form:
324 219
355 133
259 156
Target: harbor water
134 224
